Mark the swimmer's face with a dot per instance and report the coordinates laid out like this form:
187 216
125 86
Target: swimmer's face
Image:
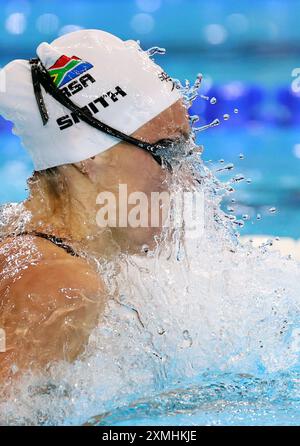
128 165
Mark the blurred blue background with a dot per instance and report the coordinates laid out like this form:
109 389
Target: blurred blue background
246 51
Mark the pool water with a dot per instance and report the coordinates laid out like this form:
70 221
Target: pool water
216 400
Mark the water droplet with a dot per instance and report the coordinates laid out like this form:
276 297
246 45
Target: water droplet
258 217
226 116
202 96
187 339
14 369
214 123
238 178
227 167
245 217
272 210
198 150
155 50
145 248
241 156
194 119
249 180
198 80
236 110
221 161
230 189
213 100
233 200
186 334
239 223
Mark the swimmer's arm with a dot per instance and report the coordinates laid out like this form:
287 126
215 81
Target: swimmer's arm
48 312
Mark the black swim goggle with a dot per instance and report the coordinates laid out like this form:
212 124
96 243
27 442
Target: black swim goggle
40 76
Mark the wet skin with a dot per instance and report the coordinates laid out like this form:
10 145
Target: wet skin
49 300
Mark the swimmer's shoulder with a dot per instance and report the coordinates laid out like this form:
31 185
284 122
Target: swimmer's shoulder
50 301
31 263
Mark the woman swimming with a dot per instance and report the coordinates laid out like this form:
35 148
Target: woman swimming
96 114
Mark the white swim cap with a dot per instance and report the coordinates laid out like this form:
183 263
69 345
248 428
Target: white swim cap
113 79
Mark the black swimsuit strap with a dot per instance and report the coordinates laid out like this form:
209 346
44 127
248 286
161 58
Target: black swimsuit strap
53 239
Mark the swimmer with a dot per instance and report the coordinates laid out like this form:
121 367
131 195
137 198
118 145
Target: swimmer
94 113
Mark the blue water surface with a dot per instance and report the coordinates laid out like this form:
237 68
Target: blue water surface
215 399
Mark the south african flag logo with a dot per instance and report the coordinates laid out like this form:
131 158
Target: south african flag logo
67 68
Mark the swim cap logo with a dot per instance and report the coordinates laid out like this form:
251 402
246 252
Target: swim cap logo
67 68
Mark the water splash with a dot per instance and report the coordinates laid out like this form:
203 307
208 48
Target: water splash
228 167
155 50
272 210
194 119
212 124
